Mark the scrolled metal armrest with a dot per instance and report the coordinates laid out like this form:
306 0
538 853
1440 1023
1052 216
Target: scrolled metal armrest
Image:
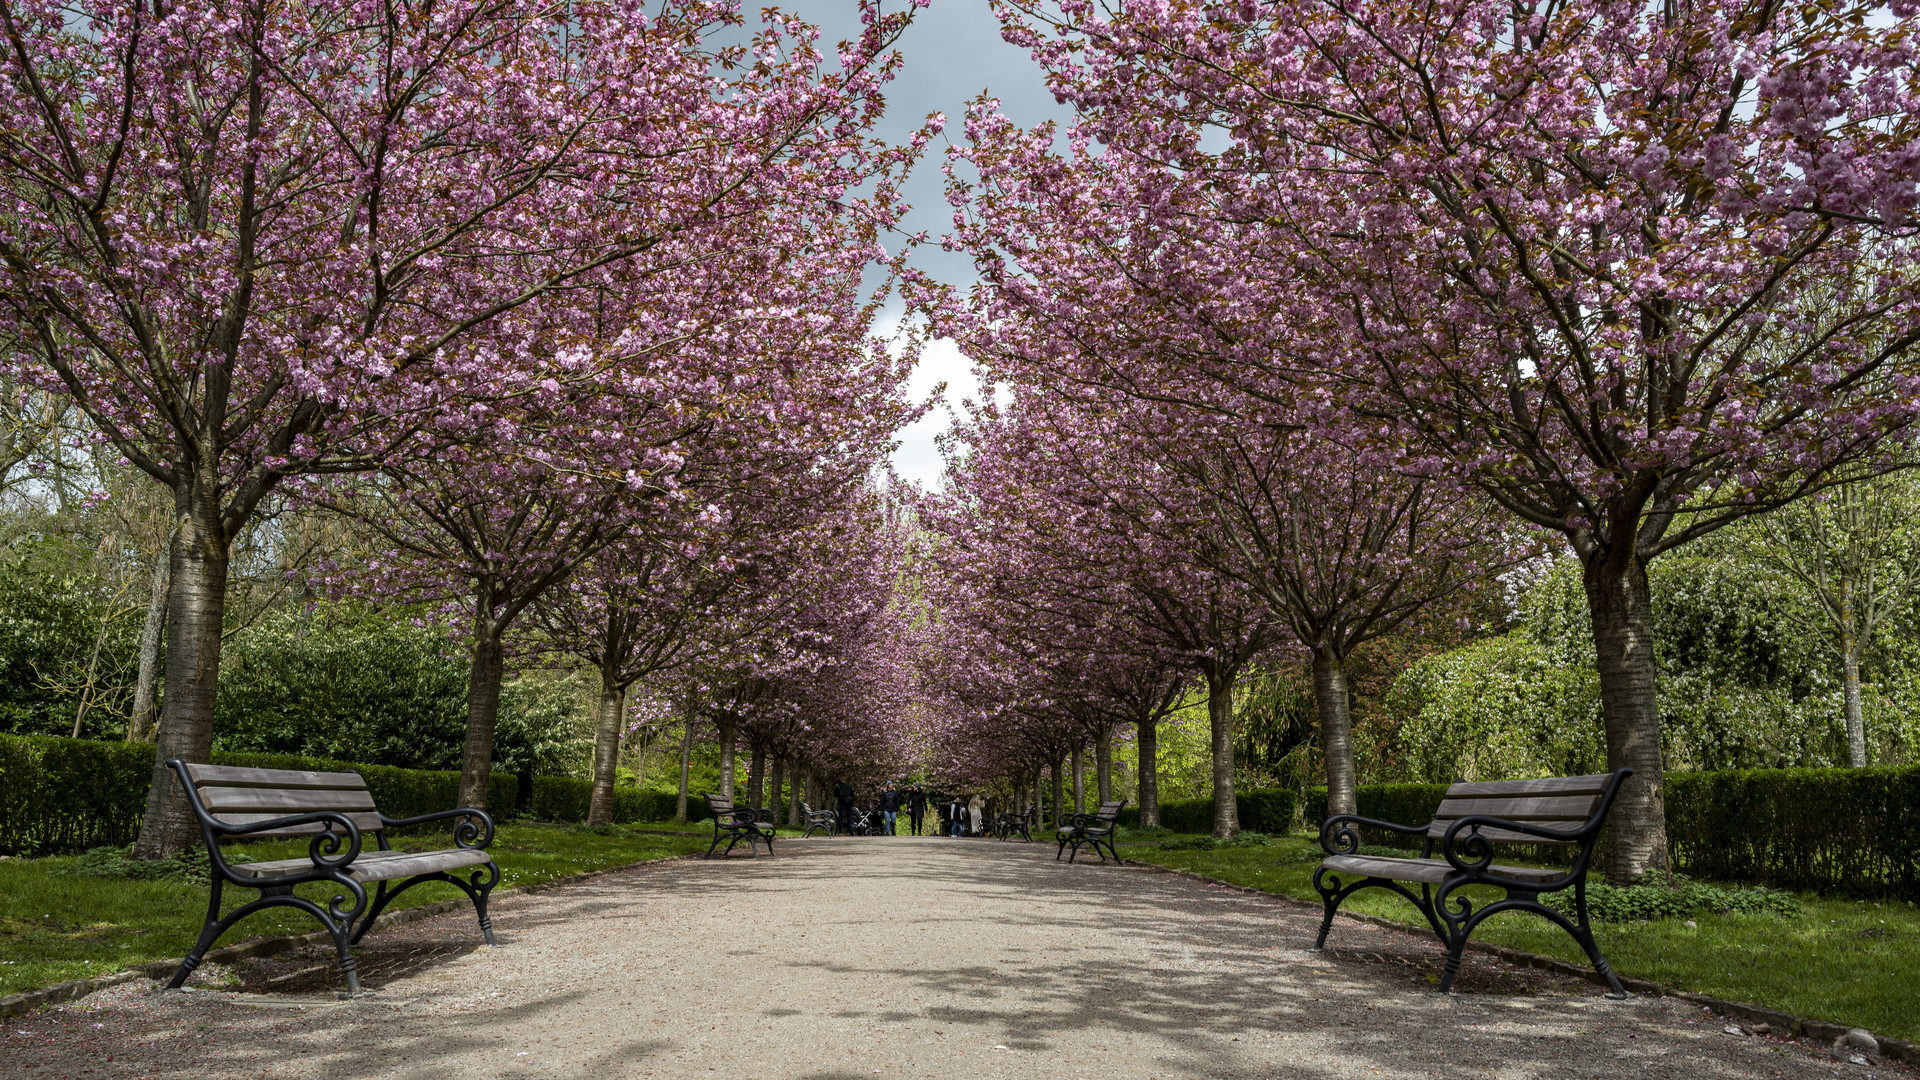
1479 849
1348 840
320 849
463 833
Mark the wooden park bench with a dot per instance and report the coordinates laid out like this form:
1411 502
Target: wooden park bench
1095 830
823 820
1010 825
1565 811
336 811
734 825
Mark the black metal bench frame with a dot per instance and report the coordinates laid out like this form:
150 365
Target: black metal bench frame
824 820
1092 830
473 829
1010 825
734 824
1469 861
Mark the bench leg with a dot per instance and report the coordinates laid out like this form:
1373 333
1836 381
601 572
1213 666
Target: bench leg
338 925
1584 935
209 933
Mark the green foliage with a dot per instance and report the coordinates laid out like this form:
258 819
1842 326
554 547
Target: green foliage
51 611
566 798
76 794
1497 708
1851 831
344 681
1675 898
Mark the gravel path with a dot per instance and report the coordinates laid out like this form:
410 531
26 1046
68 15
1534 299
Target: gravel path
893 957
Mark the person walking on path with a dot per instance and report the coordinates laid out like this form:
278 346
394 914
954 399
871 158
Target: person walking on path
956 815
916 807
843 792
975 809
889 808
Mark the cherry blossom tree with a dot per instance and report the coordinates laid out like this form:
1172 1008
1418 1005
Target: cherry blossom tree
1634 272
256 241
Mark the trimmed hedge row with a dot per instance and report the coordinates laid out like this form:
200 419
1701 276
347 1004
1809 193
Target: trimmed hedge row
565 798
1405 804
1853 831
61 795
1267 810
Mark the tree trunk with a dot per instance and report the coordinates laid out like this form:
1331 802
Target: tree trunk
1336 728
1059 794
1148 741
774 803
1079 783
606 747
793 803
1226 813
1850 679
1618 598
196 606
146 684
727 727
756 772
1103 764
686 763
483 707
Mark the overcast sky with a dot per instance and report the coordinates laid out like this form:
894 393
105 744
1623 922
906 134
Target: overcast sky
953 52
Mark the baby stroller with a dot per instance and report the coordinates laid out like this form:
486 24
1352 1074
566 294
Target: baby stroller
862 822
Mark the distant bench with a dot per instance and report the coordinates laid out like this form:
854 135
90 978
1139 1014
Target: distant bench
1566 811
336 810
1091 830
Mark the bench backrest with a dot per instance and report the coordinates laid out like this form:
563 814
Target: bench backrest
236 796
1110 811
722 808
1558 802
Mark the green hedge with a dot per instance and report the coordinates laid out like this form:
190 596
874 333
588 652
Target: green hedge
1853 831
565 798
59 795
1267 810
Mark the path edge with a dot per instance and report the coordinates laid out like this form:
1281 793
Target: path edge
73 990
1823 1030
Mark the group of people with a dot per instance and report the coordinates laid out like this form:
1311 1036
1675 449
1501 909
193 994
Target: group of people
964 817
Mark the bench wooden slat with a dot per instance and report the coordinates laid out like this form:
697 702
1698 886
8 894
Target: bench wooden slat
292 779
1538 808
365 822
1551 785
220 799
1498 836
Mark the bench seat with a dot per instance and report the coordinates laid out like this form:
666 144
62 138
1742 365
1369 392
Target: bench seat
373 866
1427 871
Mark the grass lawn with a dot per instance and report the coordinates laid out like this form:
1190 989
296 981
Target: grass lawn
55 927
1850 962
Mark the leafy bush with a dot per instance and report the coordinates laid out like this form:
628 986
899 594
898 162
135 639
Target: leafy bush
1403 804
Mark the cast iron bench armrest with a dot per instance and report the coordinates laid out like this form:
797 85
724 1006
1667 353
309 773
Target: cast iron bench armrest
462 833
1328 833
1472 823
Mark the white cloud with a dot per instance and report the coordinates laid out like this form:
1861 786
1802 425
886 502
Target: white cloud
917 459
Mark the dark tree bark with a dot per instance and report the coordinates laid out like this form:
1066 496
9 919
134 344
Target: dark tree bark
1103 763
1336 728
196 601
1059 791
1226 812
1148 742
483 709
728 728
606 746
1619 601
756 772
